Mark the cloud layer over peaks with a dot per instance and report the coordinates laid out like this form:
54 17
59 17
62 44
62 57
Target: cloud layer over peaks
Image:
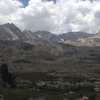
64 16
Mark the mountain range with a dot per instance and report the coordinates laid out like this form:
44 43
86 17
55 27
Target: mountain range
11 32
45 51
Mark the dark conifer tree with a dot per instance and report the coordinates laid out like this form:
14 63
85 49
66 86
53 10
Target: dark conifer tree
7 77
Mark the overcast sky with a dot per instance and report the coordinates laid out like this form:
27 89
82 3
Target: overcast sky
64 16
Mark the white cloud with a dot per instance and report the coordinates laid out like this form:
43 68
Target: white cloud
8 8
61 17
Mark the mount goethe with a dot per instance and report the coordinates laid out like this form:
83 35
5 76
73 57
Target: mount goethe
73 52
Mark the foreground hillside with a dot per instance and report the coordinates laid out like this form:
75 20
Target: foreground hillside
51 73
42 58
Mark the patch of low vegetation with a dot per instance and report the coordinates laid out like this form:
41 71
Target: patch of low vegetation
16 94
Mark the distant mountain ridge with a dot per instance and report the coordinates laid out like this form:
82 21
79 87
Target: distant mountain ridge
75 35
12 32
